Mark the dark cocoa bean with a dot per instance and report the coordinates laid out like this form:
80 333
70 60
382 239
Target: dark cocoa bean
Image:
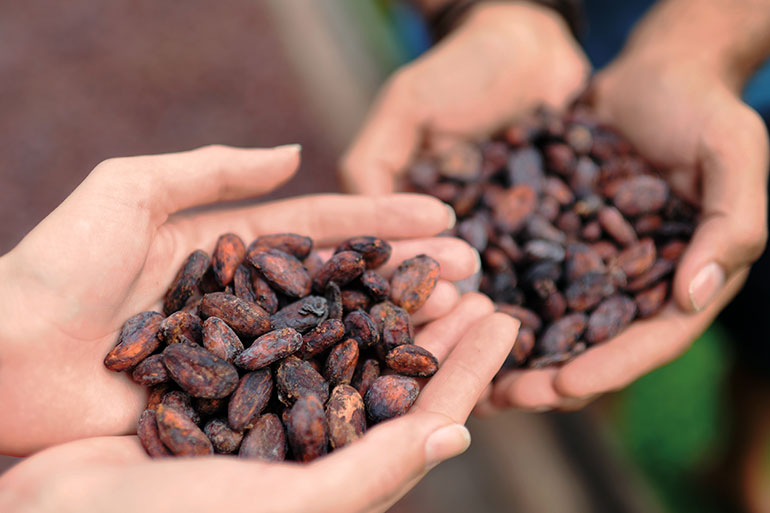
137 340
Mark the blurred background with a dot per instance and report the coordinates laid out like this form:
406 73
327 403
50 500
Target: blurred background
82 81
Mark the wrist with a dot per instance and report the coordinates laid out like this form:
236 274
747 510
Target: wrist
445 16
725 39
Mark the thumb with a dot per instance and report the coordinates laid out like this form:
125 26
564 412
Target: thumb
386 143
387 462
733 154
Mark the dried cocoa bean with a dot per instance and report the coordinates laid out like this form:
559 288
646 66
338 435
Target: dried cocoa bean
390 396
345 416
412 360
341 268
180 435
296 245
283 272
269 348
306 429
249 399
266 441
296 378
341 362
228 255
150 371
413 281
147 431
186 281
220 339
199 372
321 338
374 250
302 315
610 317
223 439
247 320
137 340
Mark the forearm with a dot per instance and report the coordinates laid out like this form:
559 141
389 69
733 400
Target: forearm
731 38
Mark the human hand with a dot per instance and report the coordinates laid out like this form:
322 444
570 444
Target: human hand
486 73
687 119
113 246
114 473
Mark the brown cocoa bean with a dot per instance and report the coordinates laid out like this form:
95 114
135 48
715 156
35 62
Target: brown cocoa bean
637 258
610 318
413 281
283 272
650 301
220 339
377 286
242 284
588 290
227 256
345 416
302 315
179 326
199 372
360 327
375 251
147 432
525 343
412 360
266 441
269 348
264 296
616 226
137 340
341 362
246 319
150 371
390 396
223 439
249 399
179 434
296 378
183 402
655 273
321 338
562 335
306 429
365 375
354 300
514 207
341 268
296 245
334 300
641 195
186 281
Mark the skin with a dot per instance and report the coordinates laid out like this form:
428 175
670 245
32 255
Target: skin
114 473
113 246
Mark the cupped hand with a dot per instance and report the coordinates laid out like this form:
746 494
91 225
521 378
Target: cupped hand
114 474
505 59
713 150
113 246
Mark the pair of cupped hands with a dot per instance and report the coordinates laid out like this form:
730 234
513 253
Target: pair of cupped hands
112 247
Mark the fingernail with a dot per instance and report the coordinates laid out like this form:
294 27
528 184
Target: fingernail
477 267
452 217
706 284
295 147
447 442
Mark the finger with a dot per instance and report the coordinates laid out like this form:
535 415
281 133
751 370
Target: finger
387 141
733 230
442 300
645 345
526 389
474 361
440 336
327 218
168 183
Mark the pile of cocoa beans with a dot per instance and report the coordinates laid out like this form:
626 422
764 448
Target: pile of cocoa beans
270 353
578 234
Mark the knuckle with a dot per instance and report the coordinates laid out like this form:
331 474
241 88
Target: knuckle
751 239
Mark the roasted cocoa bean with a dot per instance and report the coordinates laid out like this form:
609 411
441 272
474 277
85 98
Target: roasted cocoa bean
341 362
269 348
345 416
374 250
610 317
228 255
150 371
147 432
413 281
365 375
296 245
390 396
266 440
222 437
283 272
199 372
182 402
246 319
306 429
412 360
180 435
137 340
302 315
220 339
321 338
249 399
341 268
180 326
186 281
296 378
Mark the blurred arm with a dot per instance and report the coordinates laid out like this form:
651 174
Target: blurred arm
729 37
